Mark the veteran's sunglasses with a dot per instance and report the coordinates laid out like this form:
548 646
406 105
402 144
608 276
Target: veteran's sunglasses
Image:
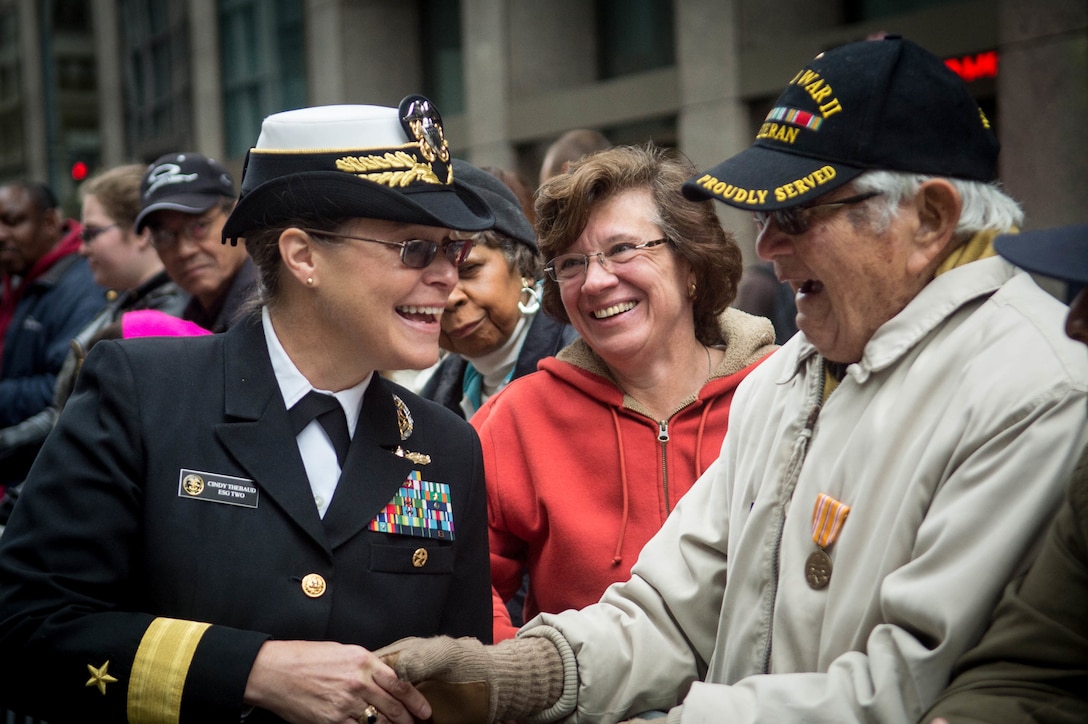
798 219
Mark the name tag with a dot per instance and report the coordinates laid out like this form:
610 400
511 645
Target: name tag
217 488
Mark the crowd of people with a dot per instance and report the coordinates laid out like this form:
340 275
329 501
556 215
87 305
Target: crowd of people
613 496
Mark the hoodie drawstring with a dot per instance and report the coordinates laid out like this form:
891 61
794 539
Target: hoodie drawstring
699 469
617 558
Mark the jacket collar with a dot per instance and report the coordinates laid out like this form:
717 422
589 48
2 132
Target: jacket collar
258 425
937 301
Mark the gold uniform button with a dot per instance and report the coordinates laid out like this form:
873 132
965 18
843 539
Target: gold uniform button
419 558
313 585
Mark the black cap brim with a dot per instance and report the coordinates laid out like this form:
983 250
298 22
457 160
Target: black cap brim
336 195
1061 253
185 203
765 179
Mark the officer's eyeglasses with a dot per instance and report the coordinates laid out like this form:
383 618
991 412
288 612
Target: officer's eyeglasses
196 230
798 219
414 253
568 267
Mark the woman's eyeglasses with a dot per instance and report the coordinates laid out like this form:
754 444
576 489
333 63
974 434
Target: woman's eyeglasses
567 267
90 233
798 219
414 253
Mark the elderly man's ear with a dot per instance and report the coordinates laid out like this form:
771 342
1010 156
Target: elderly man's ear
938 205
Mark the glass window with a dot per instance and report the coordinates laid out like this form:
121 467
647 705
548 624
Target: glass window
858 10
71 16
440 38
76 73
155 48
634 36
262 47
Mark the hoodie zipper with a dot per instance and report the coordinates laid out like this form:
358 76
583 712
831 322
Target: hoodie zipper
663 438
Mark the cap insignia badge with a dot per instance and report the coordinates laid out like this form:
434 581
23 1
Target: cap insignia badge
425 125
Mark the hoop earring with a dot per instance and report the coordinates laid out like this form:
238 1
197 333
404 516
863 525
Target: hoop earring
533 305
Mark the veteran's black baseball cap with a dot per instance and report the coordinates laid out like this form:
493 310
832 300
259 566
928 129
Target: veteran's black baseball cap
875 104
344 161
189 182
1061 252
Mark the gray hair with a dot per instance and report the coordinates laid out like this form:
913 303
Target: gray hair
985 205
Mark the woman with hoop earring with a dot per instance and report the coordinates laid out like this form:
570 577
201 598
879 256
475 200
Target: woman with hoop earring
492 324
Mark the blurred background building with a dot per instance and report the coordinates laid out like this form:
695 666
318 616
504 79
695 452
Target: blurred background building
91 83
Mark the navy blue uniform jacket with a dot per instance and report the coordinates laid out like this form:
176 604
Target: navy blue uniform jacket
109 555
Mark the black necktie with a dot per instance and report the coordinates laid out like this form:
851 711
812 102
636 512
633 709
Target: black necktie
327 411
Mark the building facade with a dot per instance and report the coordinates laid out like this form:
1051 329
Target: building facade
102 82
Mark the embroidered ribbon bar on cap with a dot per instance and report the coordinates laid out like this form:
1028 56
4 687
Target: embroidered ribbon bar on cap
828 516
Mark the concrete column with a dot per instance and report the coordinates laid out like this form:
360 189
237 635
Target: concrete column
553 51
209 134
712 122
553 45
362 51
1042 101
35 118
107 50
485 45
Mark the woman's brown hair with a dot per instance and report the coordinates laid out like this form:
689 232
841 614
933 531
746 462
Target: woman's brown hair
564 204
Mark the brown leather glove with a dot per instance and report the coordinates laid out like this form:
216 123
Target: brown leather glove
465 681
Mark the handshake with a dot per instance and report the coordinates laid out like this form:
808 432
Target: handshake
466 682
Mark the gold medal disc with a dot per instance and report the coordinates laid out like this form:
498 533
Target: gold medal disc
818 570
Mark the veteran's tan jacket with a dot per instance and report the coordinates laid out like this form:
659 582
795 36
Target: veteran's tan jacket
950 441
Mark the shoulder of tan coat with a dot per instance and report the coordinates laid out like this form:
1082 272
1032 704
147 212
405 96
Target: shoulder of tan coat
747 339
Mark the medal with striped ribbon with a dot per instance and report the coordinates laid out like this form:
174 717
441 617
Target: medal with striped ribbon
828 516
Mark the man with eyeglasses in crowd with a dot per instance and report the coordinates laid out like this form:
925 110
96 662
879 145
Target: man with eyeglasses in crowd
186 200
885 473
48 295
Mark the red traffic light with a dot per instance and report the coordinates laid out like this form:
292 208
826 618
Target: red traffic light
79 171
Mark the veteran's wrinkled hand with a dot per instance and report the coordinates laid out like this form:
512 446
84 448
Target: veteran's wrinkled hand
465 680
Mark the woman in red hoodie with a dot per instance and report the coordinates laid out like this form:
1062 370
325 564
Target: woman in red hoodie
585 458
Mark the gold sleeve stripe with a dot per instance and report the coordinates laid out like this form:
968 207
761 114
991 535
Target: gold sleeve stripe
159 669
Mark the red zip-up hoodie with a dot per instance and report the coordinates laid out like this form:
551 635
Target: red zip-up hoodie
579 476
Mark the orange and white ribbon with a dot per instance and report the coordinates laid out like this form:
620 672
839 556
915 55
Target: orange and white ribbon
828 517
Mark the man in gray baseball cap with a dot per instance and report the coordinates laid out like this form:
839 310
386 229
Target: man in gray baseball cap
186 199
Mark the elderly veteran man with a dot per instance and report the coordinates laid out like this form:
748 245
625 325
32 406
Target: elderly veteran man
226 526
886 472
